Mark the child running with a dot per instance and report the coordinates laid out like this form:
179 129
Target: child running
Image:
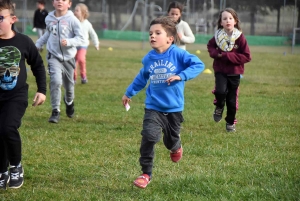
63 35
82 13
39 17
167 68
15 49
230 52
184 31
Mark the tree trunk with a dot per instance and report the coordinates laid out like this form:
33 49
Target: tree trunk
298 23
110 11
278 20
133 23
252 20
117 17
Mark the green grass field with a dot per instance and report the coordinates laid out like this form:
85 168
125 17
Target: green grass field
94 156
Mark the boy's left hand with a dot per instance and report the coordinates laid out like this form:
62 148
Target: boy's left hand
39 99
173 78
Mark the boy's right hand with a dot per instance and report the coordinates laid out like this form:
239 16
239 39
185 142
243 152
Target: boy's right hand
38 99
63 42
125 100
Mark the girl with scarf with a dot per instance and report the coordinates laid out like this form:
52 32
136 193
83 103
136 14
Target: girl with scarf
230 52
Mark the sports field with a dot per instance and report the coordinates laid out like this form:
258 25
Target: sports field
94 156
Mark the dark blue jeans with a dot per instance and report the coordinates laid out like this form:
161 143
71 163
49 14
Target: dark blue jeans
154 124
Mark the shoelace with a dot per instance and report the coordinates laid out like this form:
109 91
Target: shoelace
176 152
14 175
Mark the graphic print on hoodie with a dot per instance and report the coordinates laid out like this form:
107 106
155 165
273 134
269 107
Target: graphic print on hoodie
10 58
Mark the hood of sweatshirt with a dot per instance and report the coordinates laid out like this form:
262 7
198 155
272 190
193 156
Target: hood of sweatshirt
155 55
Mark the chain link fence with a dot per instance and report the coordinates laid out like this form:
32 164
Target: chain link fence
135 15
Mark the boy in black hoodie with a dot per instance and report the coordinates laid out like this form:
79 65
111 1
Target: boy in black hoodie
15 49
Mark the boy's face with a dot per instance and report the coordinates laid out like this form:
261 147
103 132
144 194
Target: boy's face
6 21
159 39
61 5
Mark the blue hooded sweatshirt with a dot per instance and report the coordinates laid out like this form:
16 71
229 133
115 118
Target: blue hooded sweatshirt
157 68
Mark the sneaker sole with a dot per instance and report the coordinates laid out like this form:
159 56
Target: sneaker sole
16 187
52 121
71 116
139 186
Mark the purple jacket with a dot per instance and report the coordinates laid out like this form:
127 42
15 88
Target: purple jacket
231 62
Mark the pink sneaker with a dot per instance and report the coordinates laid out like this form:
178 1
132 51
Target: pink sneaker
176 155
142 181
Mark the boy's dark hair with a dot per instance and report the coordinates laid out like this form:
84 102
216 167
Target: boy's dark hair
41 2
168 25
176 4
7 4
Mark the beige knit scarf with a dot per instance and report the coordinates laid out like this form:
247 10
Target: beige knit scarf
225 42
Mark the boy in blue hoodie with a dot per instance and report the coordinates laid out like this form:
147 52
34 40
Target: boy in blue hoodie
63 35
167 67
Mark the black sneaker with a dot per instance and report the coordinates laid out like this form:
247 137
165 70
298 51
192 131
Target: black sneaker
218 114
230 127
70 109
4 179
16 177
54 116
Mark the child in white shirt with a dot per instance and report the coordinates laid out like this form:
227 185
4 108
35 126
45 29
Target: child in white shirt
82 13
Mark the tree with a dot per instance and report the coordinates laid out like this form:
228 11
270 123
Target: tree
253 6
278 4
298 8
114 8
261 7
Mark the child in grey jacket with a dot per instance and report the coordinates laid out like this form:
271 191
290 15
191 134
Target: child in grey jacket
63 35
